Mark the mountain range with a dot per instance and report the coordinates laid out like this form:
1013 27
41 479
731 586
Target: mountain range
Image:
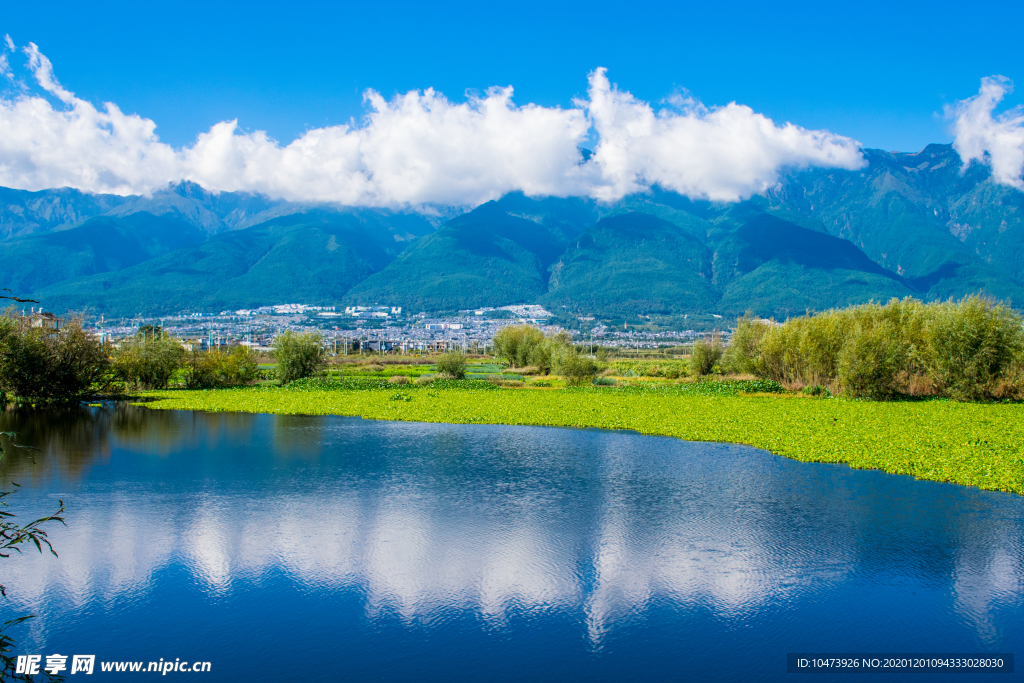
905 225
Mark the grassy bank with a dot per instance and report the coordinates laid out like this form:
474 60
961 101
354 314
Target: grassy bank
966 443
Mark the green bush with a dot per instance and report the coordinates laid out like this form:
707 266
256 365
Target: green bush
148 361
518 343
207 369
870 362
741 356
451 364
298 355
962 349
50 364
576 369
971 345
704 357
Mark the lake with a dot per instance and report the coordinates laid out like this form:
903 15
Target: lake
335 549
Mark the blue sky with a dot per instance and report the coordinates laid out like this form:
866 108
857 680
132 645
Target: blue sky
879 72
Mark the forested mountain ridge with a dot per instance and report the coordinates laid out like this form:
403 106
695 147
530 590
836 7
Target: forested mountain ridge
907 224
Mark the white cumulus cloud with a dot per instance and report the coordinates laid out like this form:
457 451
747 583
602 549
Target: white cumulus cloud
723 153
994 140
76 145
418 148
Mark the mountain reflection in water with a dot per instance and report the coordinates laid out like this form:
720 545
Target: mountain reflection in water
520 530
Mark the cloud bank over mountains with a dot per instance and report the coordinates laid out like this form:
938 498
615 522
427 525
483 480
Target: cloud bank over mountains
421 148
997 141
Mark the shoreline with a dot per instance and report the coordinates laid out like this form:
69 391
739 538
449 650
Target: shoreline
970 444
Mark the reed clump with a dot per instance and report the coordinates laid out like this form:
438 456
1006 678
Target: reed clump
968 350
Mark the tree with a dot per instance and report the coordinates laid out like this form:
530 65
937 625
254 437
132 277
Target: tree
49 363
298 355
741 354
971 344
704 357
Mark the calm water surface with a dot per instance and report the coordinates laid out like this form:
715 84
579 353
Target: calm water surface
338 549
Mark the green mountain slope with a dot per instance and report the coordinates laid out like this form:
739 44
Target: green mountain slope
919 215
497 254
312 258
634 262
97 246
776 268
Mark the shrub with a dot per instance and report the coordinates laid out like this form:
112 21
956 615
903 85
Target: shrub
576 369
705 356
148 361
208 369
518 343
742 353
297 355
965 349
816 390
971 344
423 380
604 381
50 364
374 367
870 362
399 379
451 364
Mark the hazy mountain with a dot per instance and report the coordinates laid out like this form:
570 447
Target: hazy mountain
919 215
213 212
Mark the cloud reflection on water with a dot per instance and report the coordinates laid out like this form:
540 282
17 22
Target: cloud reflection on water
423 520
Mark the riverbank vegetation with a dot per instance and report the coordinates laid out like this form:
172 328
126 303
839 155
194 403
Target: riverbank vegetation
798 388
968 350
48 361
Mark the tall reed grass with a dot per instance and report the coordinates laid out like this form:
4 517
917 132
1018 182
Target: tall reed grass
969 350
